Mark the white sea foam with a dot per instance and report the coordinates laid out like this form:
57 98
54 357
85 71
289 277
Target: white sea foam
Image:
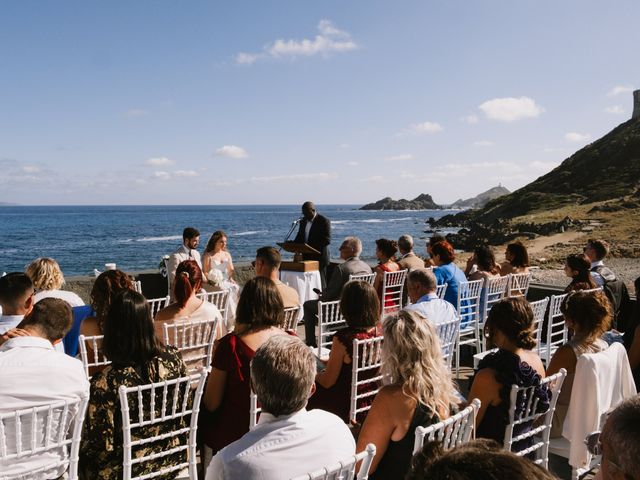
159 239
249 232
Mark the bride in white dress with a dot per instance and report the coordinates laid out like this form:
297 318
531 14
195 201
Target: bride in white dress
218 267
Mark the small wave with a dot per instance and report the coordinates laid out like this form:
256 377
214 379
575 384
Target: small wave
159 239
249 232
372 220
8 250
339 222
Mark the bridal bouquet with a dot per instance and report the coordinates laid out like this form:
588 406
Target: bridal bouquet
215 277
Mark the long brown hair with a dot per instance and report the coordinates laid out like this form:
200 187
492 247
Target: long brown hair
215 237
260 305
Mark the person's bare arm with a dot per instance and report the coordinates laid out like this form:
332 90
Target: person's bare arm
328 377
563 358
378 427
486 389
215 389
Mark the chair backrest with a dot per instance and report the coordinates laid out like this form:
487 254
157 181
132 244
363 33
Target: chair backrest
194 340
46 438
254 409
157 304
365 374
495 289
539 308
220 299
451 432
344 469
330 320
162 417
468 306
291 318
363 277
556 330
448 334
392 288
528 412
441 290
137 286
91 352
518 284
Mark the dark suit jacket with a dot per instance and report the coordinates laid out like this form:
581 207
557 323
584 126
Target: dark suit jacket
340 276
319 238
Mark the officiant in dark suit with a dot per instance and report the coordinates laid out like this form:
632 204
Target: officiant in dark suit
315 231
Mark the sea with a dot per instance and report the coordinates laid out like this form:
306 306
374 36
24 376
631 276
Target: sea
135 238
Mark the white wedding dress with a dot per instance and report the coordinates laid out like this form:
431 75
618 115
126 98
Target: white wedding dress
231 287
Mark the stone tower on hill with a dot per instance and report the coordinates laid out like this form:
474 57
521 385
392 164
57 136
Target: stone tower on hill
636 104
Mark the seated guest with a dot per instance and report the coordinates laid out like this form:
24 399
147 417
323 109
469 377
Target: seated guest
577 268
408 259
32 373
632 338
16 299
47 279
587 316
350 251
446 271
259 317
476 460
104 289
138 358
596 250
516 259
187 307
621 442
360 308
509 327
422 293
418 391
288 440
485 265
435 238
385 253
267 264
186 251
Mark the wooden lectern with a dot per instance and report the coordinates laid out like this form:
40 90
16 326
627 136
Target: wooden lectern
298 250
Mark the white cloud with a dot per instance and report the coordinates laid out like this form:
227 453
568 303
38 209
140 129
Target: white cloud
136 112
576 137
374 179
185 173
232 151
353 164
619 89
328 40
614 109
399 158
31 169
159 162
161 175
344 145
295 177
470 119
511 109
483 143
426 127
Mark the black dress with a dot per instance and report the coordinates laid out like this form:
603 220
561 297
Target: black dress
510 370
397 459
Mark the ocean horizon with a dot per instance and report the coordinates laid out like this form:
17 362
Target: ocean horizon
135 237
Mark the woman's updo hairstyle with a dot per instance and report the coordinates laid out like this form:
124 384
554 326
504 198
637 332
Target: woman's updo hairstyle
188 280
387 247
514 318
105 288
590 310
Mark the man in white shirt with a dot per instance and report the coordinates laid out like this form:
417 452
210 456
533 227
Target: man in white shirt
16 299
421 286
187 251
288 440
32 373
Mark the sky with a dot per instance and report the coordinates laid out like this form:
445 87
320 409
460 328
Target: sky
278 102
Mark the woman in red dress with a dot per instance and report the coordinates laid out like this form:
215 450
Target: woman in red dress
360 308
385 253
259 317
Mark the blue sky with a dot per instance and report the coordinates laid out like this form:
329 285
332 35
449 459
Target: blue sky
164 102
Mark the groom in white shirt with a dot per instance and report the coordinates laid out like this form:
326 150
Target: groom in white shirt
288 440
187 251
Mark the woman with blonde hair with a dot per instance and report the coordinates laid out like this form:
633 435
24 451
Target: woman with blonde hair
418 391
48 279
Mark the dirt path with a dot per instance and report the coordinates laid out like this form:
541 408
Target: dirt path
539 244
